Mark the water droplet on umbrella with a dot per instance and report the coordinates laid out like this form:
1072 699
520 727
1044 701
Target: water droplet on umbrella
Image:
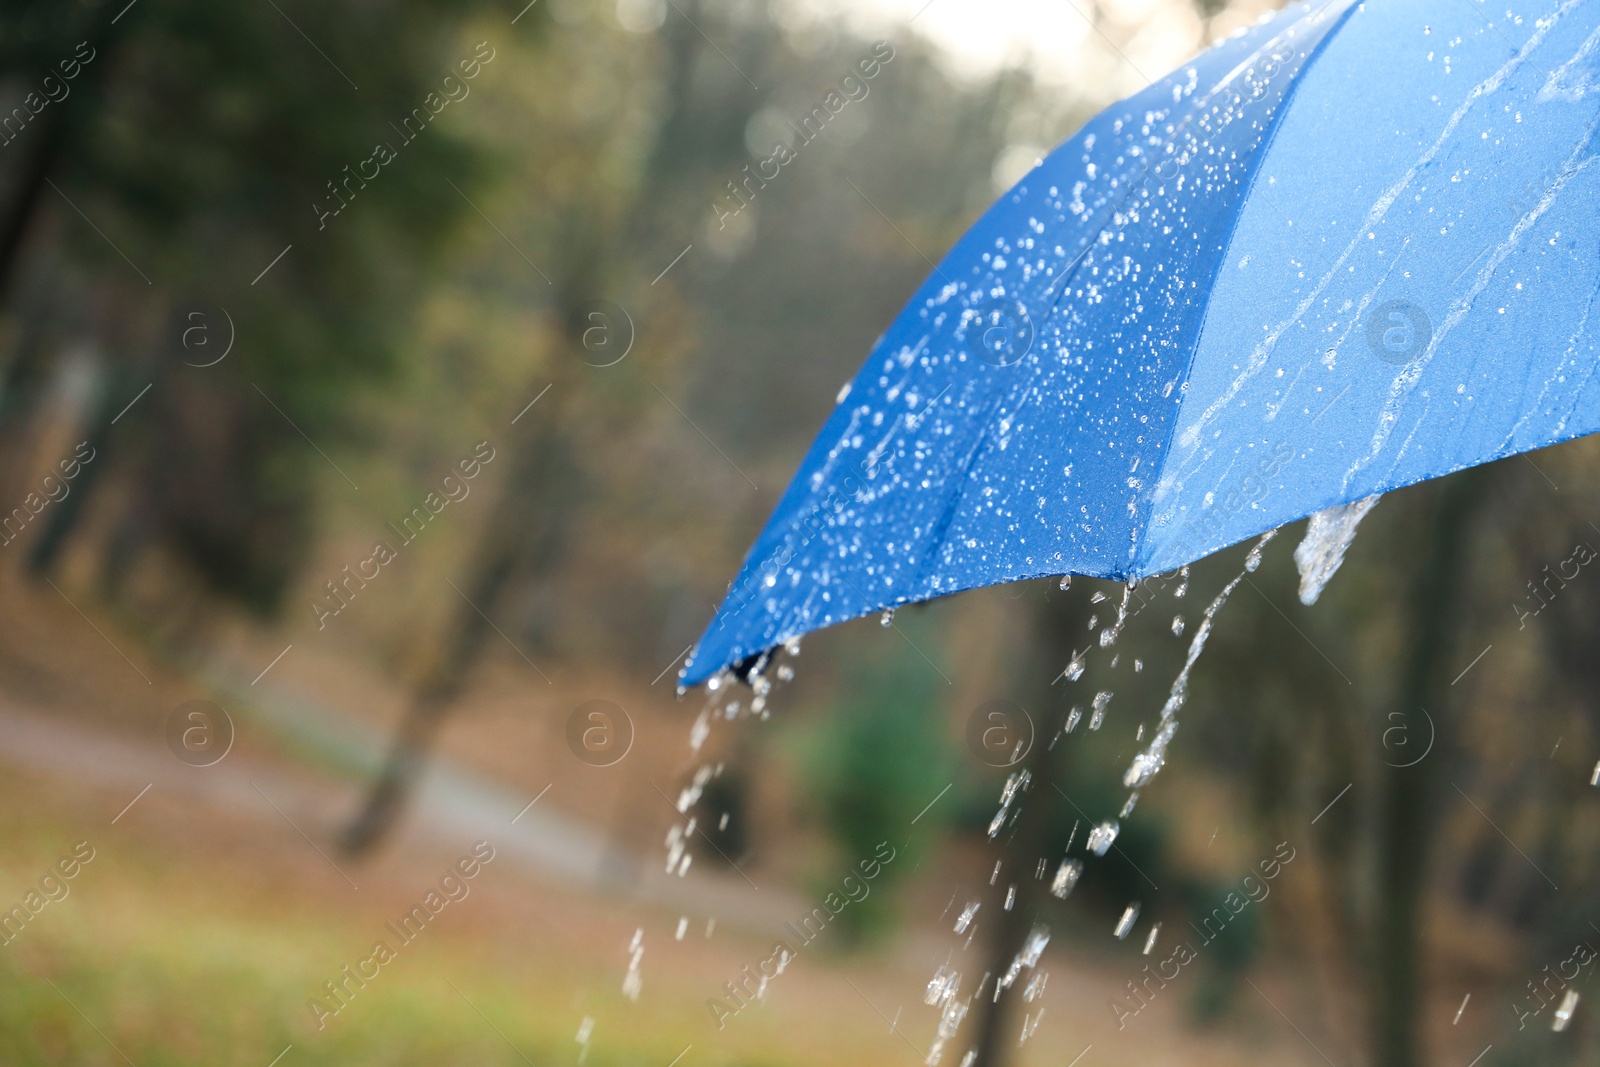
888 617
1066 581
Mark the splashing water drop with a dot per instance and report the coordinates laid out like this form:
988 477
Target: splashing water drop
1067 876
1075 666
631 982
1252 561
1322 550
1032 949
942 985
1102 837
1569 1004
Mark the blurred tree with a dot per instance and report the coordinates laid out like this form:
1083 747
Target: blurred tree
877 760
203 181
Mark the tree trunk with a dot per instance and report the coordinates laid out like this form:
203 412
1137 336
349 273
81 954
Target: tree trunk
1409 795
524 532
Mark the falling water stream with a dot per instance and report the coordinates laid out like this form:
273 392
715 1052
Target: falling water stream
1328 536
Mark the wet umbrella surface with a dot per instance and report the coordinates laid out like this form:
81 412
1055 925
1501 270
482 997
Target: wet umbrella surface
1353 248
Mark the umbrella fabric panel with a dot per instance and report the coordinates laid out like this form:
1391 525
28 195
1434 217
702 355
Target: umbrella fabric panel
1089 419
1412 286
994 430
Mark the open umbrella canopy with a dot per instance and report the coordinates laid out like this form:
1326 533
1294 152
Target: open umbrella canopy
1352 248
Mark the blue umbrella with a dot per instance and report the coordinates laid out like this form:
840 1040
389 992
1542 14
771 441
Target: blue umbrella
1349 249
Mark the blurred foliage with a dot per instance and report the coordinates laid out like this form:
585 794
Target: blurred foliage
873 766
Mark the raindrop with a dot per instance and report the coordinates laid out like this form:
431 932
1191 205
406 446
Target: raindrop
631 982
1252 562
1150 942
1011 896
1569 1004
1066 877
1138 665
1177 626
1594 779
1102 837
1127 809
1066 582
942 985
1183 582
1097 598
792 646
1075 666
1130 915
785 673
995 876
1032 949
585 1029
1094 620
964 920
1077 713
1138 736
683 928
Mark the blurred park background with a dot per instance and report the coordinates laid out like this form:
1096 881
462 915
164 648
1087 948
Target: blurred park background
402 376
